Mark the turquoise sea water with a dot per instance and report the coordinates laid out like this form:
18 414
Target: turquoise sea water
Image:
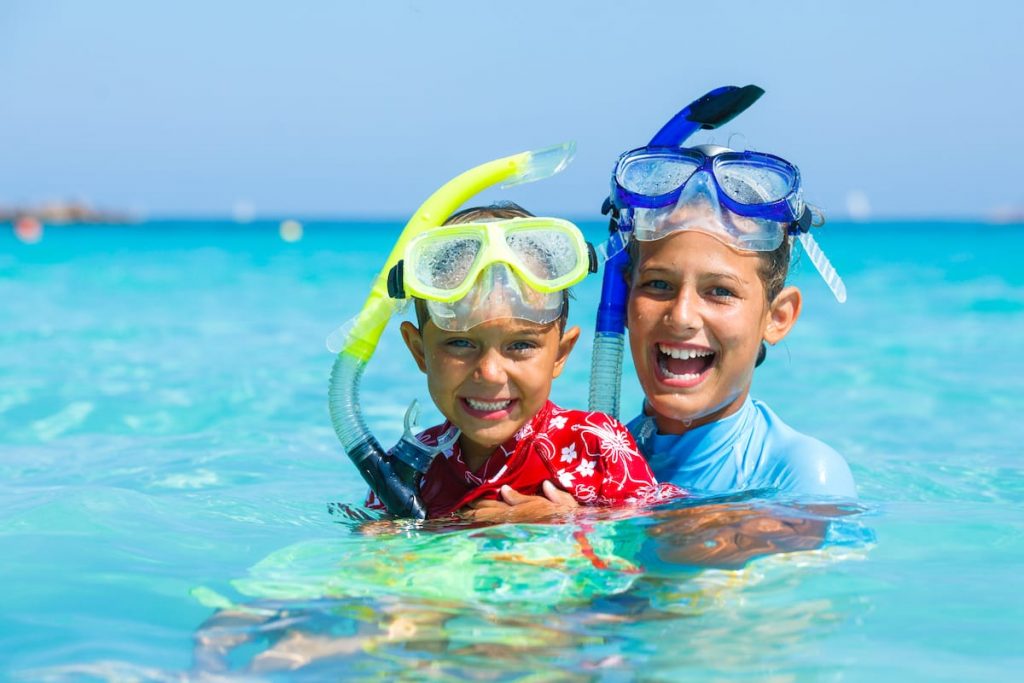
165 449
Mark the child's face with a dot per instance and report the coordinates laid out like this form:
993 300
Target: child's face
697 315
492 379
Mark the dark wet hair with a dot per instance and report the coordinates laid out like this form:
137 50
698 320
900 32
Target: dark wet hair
774 266
499 211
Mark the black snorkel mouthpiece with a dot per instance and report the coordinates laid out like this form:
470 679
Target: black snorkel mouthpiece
393 481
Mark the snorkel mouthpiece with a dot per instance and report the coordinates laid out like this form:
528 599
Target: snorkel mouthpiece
394 481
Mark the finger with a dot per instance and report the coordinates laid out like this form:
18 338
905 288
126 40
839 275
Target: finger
478 504
557 495
513 497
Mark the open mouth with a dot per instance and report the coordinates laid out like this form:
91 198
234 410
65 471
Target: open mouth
684 365
493 409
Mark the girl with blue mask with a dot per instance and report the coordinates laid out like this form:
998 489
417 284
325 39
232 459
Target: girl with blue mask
705 235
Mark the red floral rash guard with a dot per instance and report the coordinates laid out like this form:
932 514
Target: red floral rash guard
588 454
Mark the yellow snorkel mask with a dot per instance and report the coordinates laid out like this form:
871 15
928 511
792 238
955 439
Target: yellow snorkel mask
474 272
394 478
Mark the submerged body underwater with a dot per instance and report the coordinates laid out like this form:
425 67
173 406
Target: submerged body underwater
169 469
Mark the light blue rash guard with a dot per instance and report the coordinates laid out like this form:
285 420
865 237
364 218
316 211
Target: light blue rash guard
750 449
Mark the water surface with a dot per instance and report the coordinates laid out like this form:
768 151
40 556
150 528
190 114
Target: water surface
165 450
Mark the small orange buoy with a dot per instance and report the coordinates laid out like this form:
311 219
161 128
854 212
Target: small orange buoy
28 229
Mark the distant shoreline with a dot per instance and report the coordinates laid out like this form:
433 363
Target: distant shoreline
100 219
65 213
69 214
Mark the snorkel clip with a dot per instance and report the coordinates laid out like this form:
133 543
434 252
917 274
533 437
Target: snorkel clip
396 280
414 452
802 224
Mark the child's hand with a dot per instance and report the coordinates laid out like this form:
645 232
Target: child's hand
516 507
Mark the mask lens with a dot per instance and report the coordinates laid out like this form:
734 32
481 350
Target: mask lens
754 181
444 264
496 294
545 254
653 174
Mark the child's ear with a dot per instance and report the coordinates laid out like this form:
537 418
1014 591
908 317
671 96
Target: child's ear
782 314
414 340
565 346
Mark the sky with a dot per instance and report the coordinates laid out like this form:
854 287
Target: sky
894 109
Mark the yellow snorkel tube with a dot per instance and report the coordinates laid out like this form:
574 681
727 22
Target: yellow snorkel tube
394 478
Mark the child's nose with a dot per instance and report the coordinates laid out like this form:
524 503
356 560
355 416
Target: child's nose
491 368
684 314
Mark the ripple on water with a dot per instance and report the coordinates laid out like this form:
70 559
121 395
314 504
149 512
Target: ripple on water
205 458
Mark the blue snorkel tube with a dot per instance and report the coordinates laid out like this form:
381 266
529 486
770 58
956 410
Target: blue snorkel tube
714 109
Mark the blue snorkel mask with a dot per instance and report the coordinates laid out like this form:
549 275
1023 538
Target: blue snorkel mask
749 200
754 199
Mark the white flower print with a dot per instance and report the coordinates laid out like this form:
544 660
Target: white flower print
559 422
616 450
586 494
569 453
586 468
525 432
616 443
565 478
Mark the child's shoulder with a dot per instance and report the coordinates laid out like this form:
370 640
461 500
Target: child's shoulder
598 460
588 425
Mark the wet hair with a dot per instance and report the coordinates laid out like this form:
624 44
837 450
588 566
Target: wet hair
499 211
773 267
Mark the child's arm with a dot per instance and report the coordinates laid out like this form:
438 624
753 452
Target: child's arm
518 507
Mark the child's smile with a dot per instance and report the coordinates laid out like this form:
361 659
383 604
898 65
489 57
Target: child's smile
483 409
683 365
492 379
697 316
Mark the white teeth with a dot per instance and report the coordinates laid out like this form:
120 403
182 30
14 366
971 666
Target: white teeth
688 377
684 354
488 405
